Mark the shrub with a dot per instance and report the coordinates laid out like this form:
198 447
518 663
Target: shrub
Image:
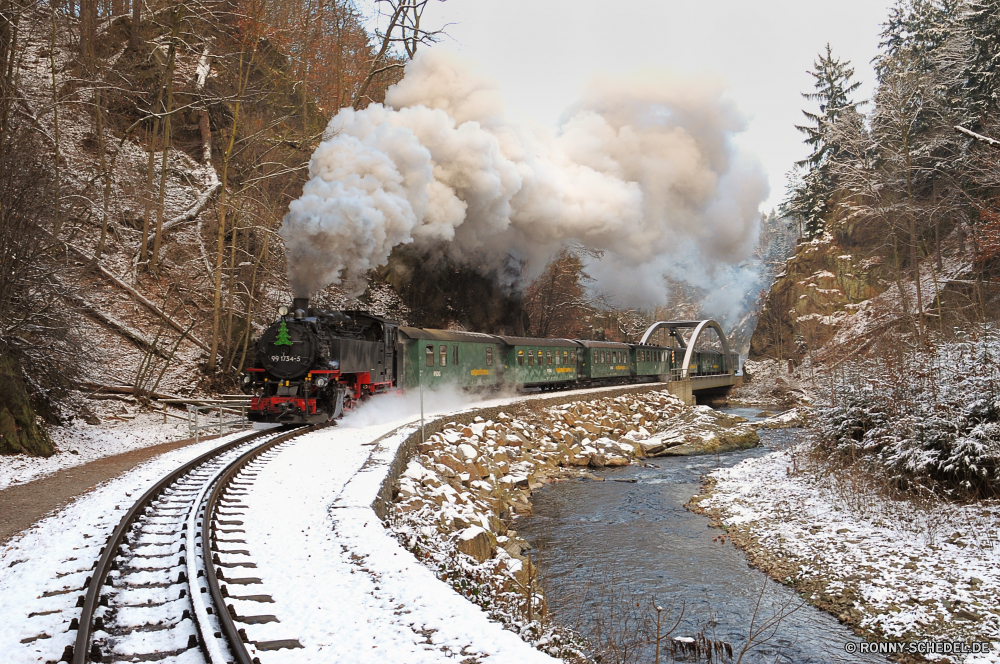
932 418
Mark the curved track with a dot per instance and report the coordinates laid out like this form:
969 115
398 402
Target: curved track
144 601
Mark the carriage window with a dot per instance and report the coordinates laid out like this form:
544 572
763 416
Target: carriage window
539 357
454 355
558 358
565 357
520 357
444 356
531 357
548 357
489 356
429 356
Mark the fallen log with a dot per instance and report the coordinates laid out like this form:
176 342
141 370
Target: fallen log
142 299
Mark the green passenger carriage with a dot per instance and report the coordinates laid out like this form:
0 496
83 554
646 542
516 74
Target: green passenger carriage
434 358
655 361
529 362
603 360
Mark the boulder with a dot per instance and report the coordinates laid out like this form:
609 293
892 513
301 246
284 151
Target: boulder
468 452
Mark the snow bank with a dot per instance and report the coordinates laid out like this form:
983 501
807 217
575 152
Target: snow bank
81 443
898 569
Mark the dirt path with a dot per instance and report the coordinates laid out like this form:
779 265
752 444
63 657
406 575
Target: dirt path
24 504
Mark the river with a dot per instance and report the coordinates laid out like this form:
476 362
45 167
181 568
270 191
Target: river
606 546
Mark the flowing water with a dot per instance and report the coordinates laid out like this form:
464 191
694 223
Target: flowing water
605 547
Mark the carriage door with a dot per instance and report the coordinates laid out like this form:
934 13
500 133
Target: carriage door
389 355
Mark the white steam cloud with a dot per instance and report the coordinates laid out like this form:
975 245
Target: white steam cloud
642 169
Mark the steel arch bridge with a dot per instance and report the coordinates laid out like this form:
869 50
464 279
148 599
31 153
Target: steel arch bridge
699 326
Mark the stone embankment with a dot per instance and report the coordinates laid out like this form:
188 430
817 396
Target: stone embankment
457 496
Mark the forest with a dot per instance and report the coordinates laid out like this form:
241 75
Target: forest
148 154
892 294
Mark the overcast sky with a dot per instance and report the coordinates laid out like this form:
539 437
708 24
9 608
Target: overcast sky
543 51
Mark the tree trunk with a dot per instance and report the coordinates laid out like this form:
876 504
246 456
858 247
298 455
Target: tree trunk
57 222
133 40
221 239
99 98
19 430
166 142
913 237
376 67
88 33
144 247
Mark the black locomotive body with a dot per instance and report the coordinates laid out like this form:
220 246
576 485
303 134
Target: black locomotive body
311 365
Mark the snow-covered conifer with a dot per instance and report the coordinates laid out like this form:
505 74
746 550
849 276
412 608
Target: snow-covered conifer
834 85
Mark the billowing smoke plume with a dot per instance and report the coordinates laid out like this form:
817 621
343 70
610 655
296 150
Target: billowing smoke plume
642 169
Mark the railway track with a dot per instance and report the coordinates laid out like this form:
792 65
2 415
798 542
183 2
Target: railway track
161 588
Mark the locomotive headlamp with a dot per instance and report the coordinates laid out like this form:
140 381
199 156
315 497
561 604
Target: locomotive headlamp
321 382
246 379
282 310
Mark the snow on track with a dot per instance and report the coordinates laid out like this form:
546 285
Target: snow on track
43 569
339 580
341 584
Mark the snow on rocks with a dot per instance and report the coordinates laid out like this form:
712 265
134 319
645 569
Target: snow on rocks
790 419
457 498
900 570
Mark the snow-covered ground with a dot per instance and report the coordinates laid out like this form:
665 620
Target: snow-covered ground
341 583
363 597
43 569
899 569
80 443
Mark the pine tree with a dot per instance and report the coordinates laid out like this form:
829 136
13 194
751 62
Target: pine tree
915 32
810 194
834 85
983 22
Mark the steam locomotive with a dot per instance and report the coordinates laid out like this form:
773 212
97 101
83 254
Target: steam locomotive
313 365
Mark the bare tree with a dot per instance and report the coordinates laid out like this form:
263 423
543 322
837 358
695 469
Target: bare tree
403 27
557 300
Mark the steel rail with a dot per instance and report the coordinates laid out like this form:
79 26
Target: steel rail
81 650
227 626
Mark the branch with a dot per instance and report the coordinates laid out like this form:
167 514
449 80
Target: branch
979 137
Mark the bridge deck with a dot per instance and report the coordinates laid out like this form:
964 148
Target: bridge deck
714 382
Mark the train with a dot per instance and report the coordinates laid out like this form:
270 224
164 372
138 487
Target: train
312 365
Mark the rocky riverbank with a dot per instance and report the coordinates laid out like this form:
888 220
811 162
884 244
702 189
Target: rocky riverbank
897 570
457 500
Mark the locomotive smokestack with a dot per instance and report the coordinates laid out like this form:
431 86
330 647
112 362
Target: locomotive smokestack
301 303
